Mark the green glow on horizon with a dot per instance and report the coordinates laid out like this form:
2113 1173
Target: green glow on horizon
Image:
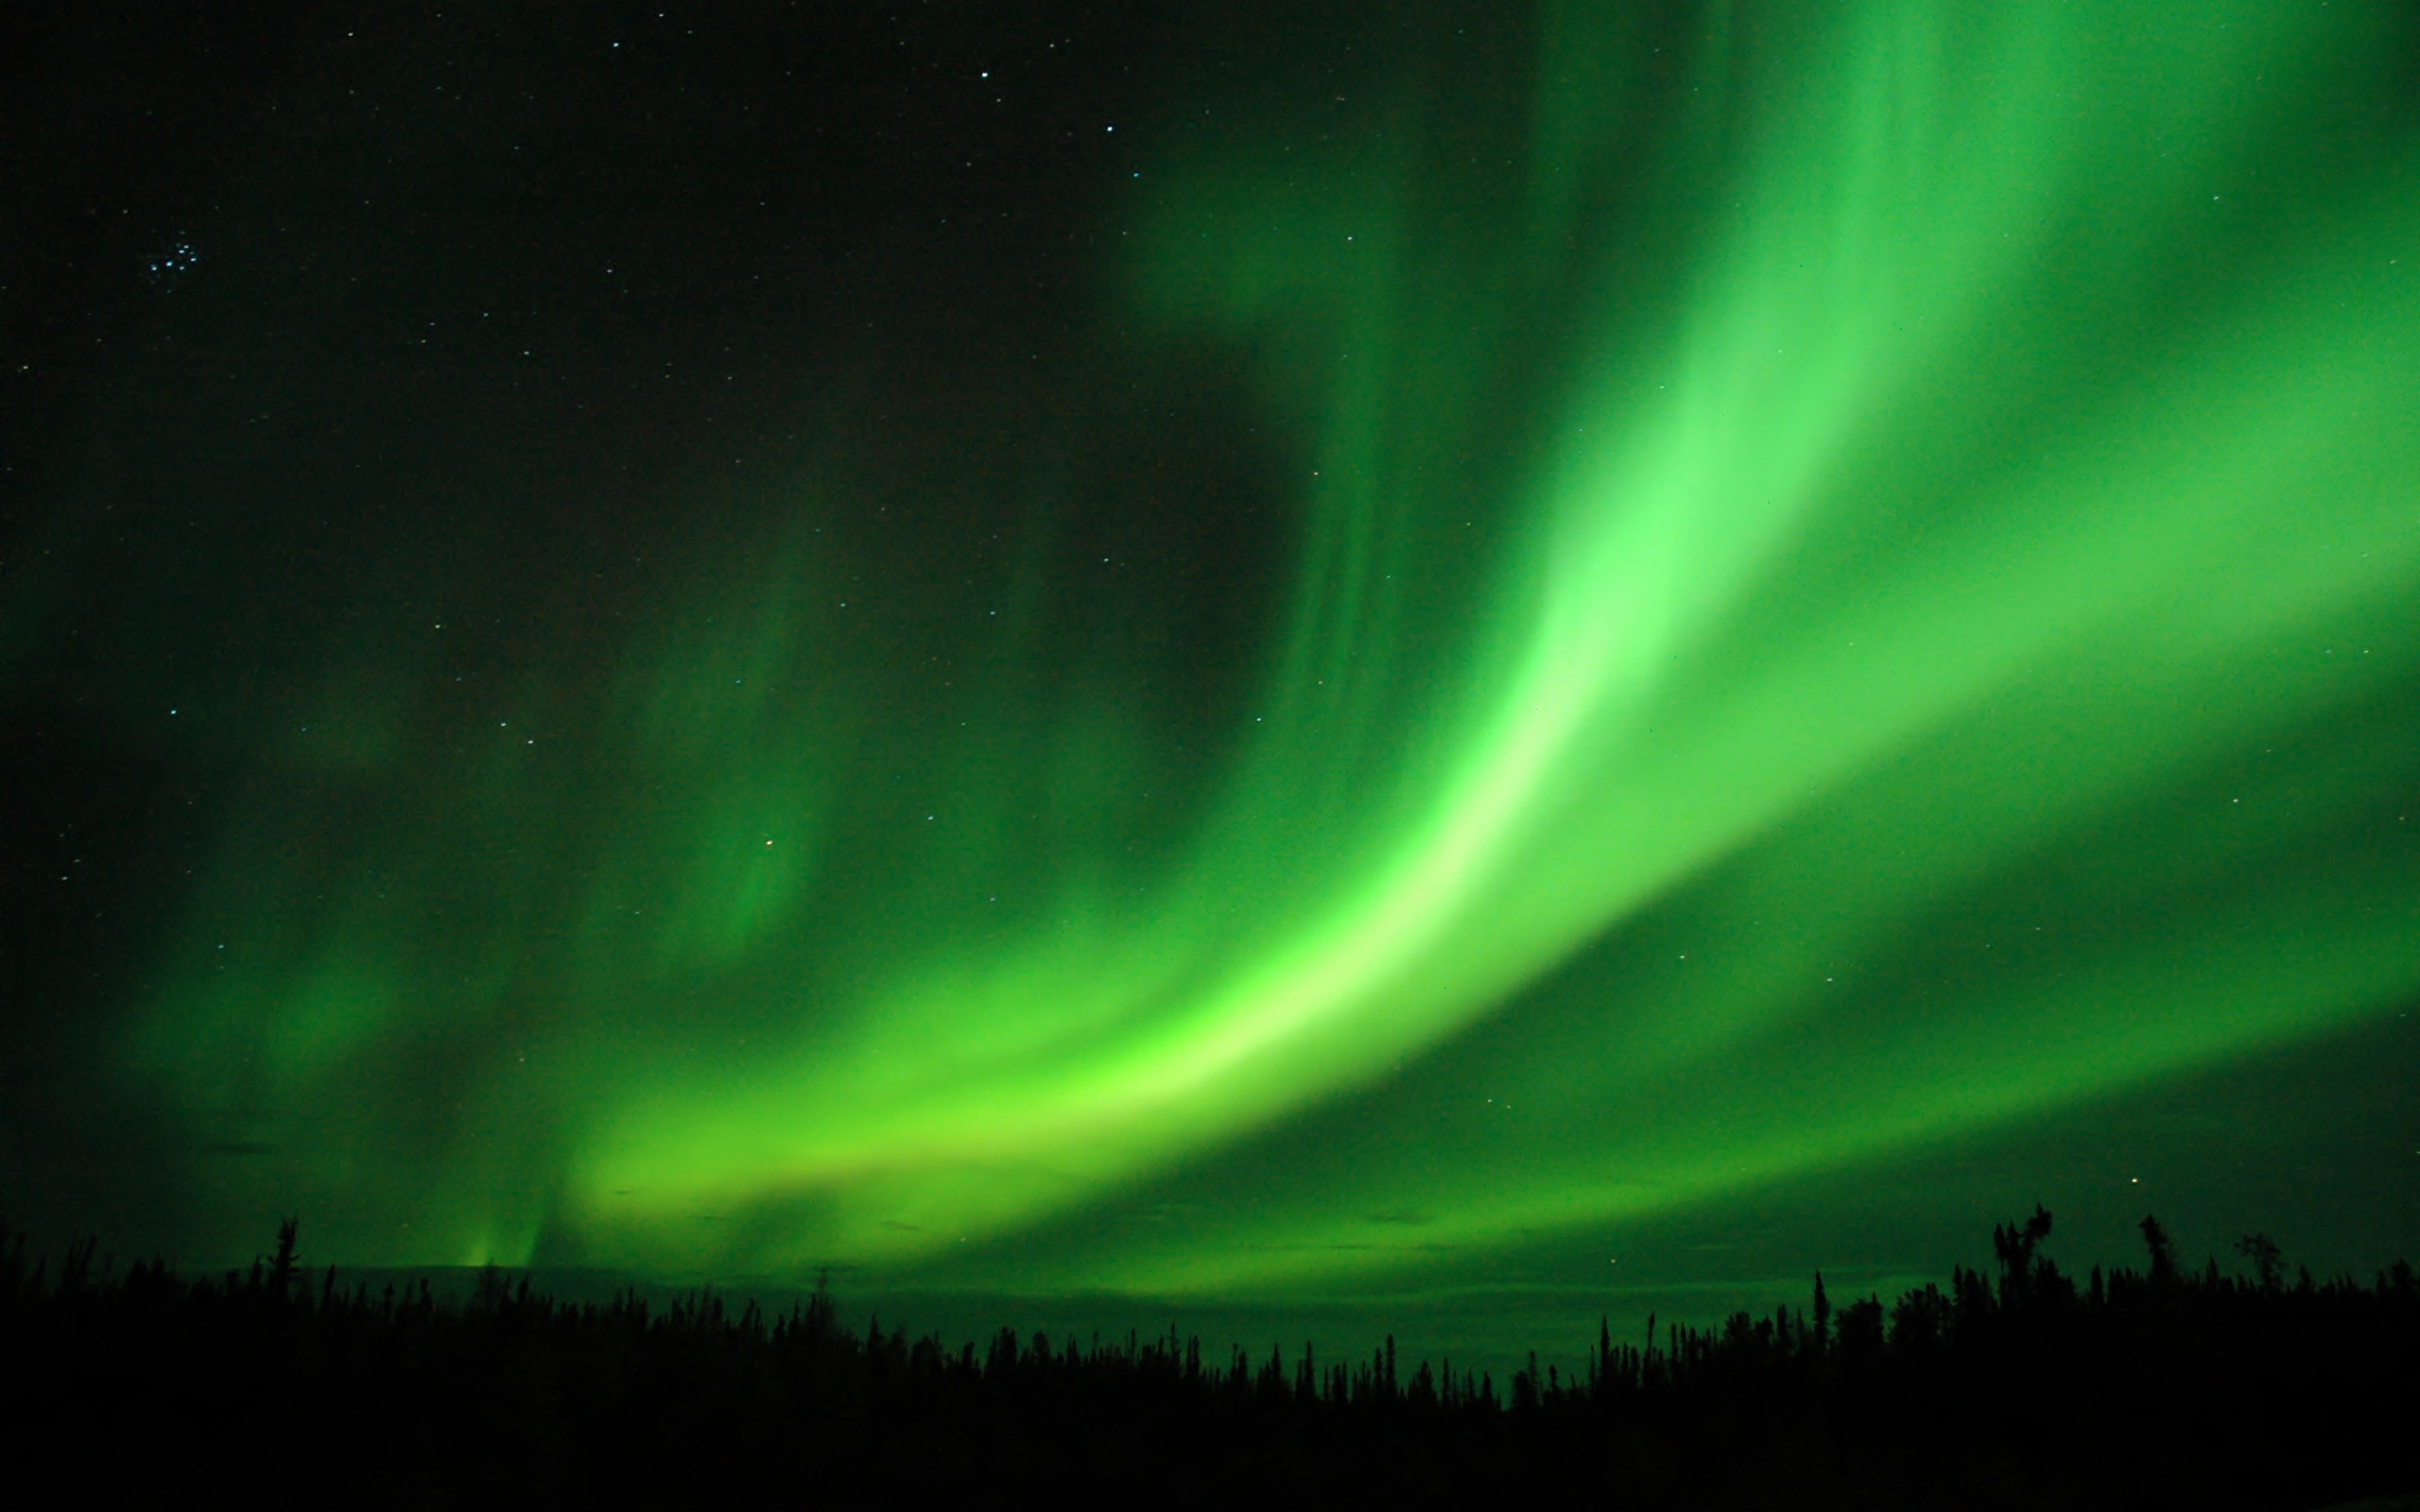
1922 469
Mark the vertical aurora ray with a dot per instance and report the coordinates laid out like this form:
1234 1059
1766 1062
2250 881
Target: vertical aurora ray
1812 468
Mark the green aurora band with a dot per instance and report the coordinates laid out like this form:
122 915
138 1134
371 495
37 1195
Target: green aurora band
1859 461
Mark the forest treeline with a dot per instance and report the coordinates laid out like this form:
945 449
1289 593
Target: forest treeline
2020 1387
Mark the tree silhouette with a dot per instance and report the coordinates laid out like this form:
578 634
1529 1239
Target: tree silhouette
283 1265
2163 1254
2015 1248
2029 1393
2268 1260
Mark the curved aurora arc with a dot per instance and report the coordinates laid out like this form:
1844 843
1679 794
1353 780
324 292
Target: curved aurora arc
1894 496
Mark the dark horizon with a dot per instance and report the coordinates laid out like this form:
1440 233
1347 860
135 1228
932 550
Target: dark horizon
2019 1387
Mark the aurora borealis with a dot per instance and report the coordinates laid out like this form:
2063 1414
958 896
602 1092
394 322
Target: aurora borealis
1219 657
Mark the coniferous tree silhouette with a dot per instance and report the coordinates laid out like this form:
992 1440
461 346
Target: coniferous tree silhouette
2163 1253
2268 1260
283 1265
2015 1248
2092 1397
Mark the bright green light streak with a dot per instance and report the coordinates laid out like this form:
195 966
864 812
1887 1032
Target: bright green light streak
1770 554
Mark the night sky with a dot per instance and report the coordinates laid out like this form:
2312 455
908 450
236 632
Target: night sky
1448 666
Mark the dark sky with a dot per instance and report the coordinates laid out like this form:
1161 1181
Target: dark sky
1325 668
